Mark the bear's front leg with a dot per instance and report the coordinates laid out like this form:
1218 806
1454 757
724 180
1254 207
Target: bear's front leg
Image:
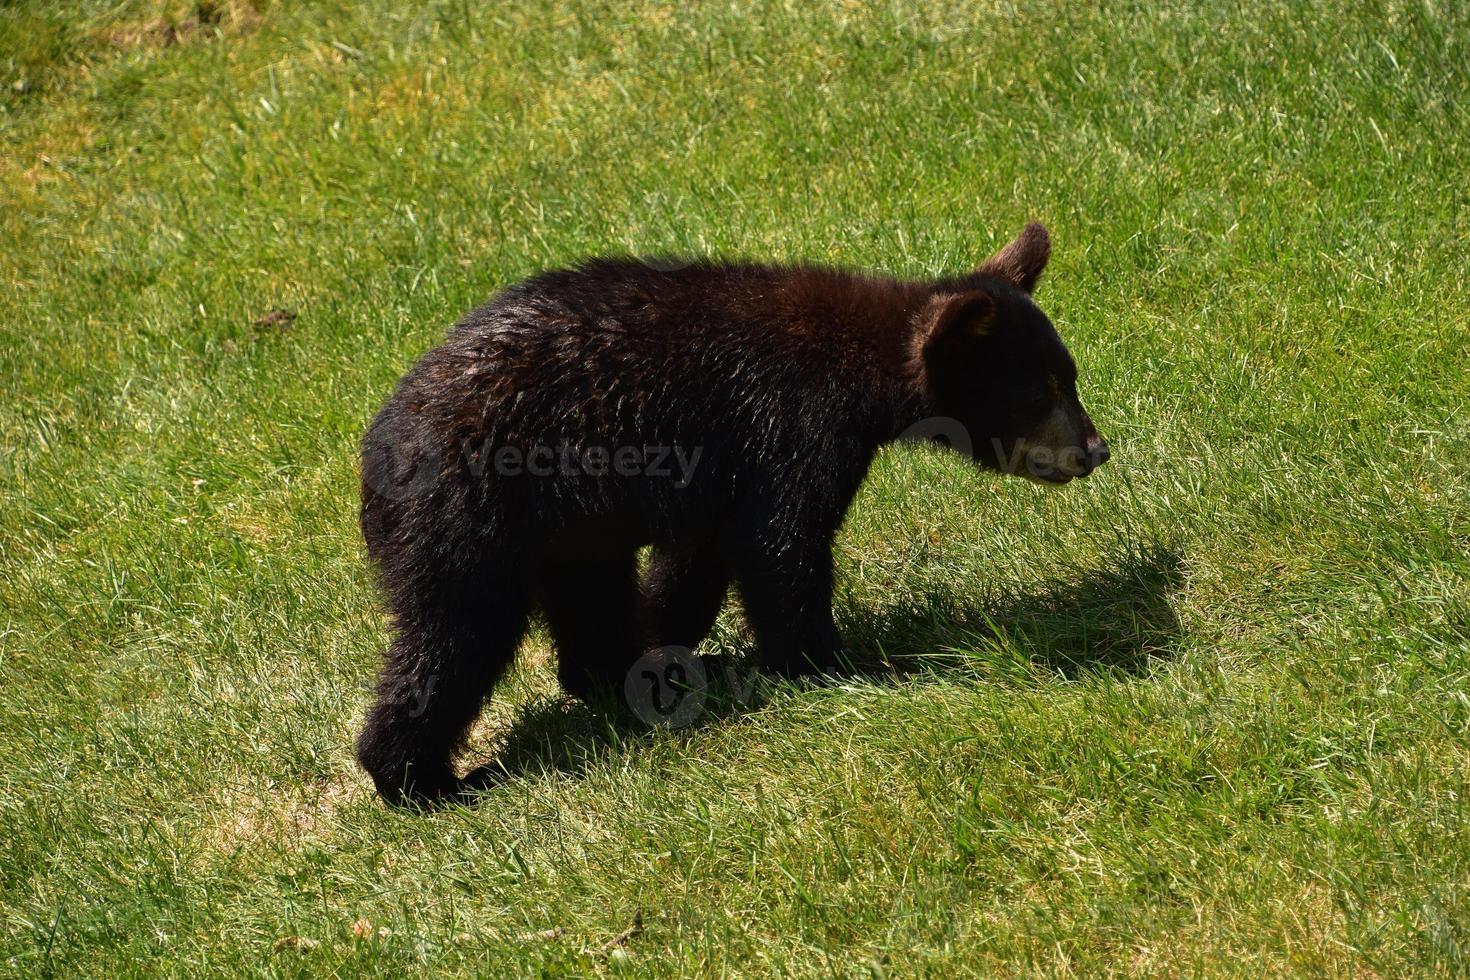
786 589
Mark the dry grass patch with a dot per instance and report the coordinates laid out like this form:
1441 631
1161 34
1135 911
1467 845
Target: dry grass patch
204 20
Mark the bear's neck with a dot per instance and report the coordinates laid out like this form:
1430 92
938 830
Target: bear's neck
870 326
894 386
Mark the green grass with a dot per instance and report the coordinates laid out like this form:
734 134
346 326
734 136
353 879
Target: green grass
1206 713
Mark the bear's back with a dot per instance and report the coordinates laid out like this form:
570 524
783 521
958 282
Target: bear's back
617 349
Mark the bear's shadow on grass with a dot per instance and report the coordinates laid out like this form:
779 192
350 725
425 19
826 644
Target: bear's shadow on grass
1115 618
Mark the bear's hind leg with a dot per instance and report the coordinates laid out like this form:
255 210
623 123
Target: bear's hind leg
683 591
787 595
450 649
591 609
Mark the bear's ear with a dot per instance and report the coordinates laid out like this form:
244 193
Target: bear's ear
1022 261
952 321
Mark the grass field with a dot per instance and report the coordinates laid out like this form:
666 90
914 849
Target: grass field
1206 713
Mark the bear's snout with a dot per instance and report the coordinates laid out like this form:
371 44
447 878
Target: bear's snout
1095 447
1064 447
1097 454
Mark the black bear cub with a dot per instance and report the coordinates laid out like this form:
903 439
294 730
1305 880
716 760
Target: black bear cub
724 414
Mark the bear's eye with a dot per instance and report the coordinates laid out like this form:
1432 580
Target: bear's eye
1039 403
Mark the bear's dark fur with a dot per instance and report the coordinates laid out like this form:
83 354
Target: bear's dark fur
518 465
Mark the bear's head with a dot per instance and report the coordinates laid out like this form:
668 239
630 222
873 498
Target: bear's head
993 362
